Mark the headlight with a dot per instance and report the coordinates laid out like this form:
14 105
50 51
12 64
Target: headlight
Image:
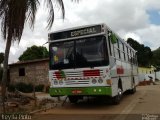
61 82
94 81
55 82
100 80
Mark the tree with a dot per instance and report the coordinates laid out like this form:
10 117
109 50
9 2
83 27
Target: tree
1 72
144 53
14 14
1 61
34 52
156 58
1 58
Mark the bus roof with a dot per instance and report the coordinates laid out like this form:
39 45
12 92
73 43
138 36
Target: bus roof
78 27
103 25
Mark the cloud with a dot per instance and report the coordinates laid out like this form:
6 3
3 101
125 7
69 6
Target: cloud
150 36
133 36
118 15
128 18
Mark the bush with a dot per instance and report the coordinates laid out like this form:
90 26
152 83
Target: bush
26 88
11 88
39 88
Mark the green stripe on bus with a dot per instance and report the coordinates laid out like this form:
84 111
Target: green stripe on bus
81 91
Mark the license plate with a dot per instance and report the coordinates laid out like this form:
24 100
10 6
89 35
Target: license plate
76 91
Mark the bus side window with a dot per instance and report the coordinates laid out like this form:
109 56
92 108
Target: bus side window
120 45
125 51
119 52
128 54
131 58
115 47
110 46
115 44
136 59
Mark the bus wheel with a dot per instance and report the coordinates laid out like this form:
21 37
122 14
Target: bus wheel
73 99
116 100
133 90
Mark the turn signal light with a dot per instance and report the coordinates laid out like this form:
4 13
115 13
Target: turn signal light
109 82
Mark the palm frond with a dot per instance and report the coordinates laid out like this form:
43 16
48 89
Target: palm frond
15 13
50 20
50 7
61 5
32 6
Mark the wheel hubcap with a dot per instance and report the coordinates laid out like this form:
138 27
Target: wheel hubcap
119 91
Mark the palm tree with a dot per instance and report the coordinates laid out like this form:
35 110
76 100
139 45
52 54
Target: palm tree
14 14
1 57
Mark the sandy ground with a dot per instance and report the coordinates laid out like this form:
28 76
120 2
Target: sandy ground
144 103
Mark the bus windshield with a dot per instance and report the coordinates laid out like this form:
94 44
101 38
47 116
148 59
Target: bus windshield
79 53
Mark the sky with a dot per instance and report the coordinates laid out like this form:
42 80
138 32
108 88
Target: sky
137 19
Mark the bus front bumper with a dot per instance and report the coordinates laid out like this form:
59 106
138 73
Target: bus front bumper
80 91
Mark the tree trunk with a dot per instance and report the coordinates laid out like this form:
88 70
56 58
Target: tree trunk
5 71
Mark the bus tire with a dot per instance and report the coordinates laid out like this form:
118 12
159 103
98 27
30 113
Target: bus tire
133 90
73 99
116 100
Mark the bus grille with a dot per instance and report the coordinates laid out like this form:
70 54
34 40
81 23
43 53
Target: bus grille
77 82
78 77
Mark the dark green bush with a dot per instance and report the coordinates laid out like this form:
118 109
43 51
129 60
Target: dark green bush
39 88
11 88
26 88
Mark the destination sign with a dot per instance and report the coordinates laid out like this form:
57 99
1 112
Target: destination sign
76 33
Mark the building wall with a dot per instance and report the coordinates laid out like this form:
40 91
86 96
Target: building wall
36 72
146 73
158 75
143 70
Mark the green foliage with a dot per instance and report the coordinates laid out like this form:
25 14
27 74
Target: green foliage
156 58
1 57
34 52
144 53
26 88
39 88
11 88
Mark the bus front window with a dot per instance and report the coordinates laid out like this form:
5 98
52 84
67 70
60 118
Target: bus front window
85 52
91 52
62 55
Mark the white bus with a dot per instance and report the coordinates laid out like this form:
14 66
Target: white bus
91 61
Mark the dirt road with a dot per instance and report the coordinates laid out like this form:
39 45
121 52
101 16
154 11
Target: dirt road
145 103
